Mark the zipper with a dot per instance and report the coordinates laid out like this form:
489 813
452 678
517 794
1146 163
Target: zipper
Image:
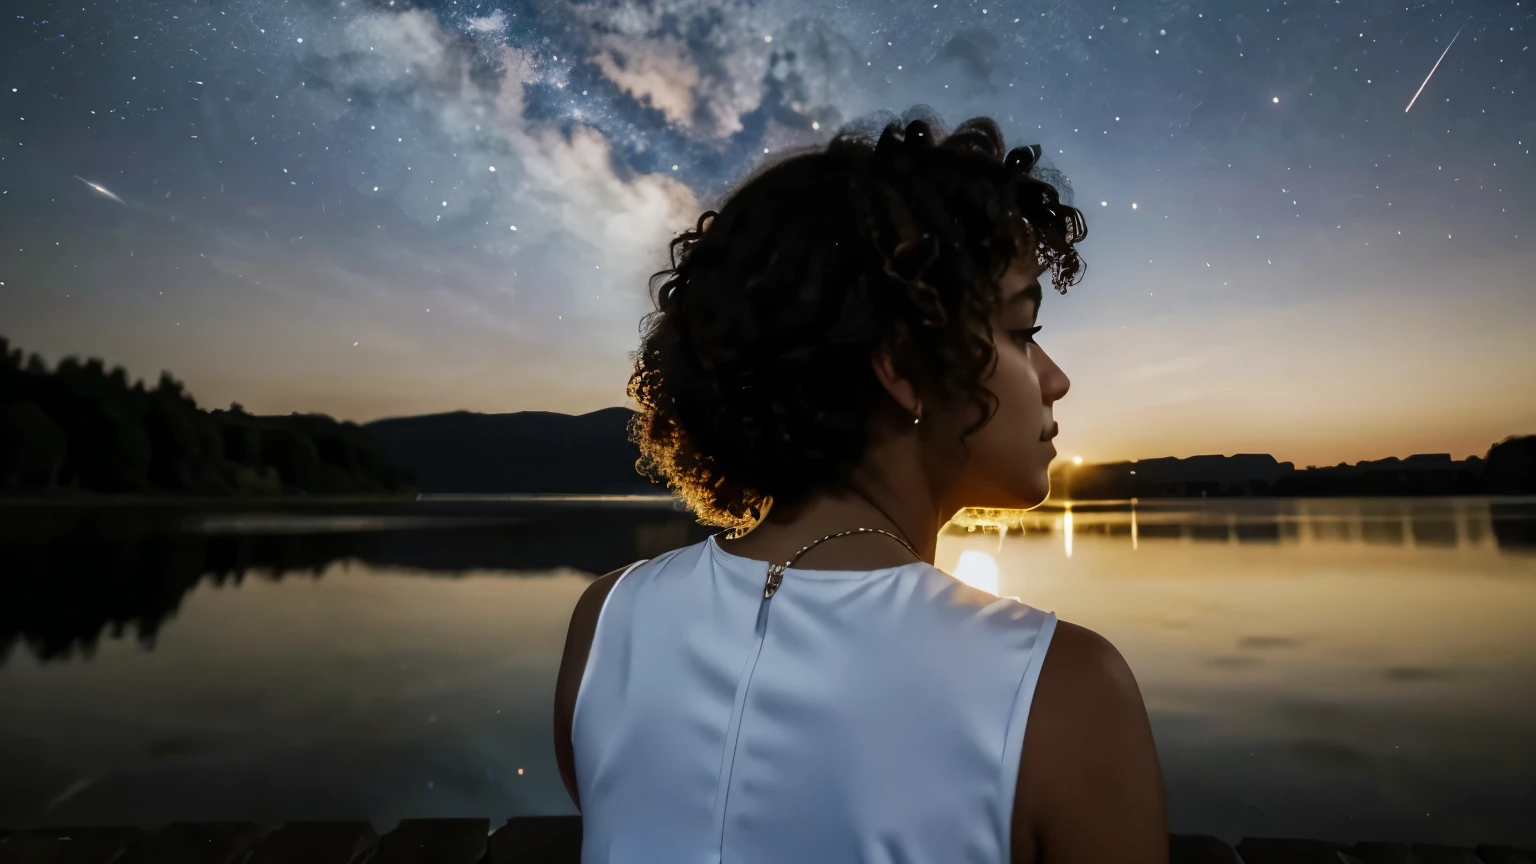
775 579
733 732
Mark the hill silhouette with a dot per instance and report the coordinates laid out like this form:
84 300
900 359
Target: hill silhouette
522 452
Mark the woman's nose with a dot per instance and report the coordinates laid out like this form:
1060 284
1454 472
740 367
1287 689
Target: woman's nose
1054 383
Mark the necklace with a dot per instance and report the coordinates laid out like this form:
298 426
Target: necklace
776 571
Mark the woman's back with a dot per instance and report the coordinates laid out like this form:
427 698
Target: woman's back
855 716
847 349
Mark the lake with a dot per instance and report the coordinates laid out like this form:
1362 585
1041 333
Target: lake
1346 669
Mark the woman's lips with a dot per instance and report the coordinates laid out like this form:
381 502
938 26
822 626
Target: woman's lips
1050 431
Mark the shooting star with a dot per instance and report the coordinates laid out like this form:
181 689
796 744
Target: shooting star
101 190
1433 68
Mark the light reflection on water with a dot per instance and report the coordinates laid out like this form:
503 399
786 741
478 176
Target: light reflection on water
1352 669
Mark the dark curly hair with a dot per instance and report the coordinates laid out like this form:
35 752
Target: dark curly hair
753 377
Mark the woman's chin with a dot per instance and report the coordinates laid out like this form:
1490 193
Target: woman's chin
1035 498
1025 495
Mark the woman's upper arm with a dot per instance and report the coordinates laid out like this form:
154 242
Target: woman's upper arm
573 663
1090 787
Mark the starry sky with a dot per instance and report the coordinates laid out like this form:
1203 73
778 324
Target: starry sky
376 208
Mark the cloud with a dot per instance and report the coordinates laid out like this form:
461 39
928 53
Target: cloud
814 76
453 145
494 23
718 50
974 51
721 70
657 73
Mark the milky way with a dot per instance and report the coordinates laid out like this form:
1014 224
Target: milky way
376 208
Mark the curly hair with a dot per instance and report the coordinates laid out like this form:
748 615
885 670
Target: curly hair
754 379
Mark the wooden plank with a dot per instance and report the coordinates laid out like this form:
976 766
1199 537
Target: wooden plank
1432 853
1383 853
1505 855
537 840
197 843
1286 850
557 840
1200 849
68 845
434 841
316 843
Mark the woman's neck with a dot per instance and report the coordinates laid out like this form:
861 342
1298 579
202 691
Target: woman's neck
784 532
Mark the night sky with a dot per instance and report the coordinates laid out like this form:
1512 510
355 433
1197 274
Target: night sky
373 208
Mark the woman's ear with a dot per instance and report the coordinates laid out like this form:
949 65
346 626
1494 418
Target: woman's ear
897 385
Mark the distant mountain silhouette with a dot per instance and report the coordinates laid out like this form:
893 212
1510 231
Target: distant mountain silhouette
528 451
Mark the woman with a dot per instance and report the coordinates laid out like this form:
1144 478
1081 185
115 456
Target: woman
840 359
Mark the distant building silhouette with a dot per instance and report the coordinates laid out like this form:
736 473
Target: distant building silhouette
1192 477
1510 469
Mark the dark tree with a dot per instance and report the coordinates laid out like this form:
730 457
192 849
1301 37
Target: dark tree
32 447
293 455
1510 468
82 426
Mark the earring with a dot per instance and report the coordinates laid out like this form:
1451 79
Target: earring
919 414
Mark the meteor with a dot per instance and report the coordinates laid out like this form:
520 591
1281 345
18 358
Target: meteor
1433 68
101 190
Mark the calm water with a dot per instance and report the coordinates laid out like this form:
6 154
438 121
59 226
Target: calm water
1345 669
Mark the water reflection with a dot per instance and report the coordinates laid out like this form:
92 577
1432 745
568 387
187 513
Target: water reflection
1468 524
978 570
74 574
1343 669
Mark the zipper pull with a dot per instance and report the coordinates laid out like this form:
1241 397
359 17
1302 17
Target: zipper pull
775 579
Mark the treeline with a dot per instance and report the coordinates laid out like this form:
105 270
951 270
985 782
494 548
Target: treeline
81 427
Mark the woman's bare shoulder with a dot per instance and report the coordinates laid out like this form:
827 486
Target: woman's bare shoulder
1090 666
578 636
573 663
1090 787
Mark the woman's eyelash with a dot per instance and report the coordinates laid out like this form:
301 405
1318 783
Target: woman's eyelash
1026 337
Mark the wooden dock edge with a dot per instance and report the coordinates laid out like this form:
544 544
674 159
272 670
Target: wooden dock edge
557 840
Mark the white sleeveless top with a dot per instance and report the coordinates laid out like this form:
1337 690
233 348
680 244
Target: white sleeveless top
857 716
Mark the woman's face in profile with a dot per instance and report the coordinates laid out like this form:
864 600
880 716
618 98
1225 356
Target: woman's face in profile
1010 456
